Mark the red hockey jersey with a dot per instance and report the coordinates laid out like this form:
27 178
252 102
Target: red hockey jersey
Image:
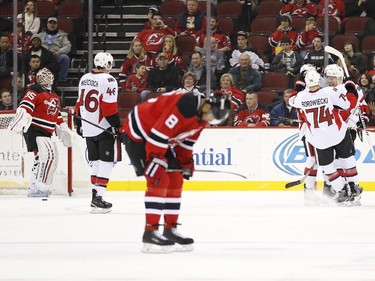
171 120
245 117
152 39
43 107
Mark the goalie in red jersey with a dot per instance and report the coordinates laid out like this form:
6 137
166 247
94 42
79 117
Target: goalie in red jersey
159 134
38 116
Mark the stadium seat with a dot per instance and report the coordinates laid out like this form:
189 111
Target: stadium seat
274 81
172 9
226 25
71 9
269 8
333 25
339 40
66 24
368 44
267 98
263 26
6 9
298 23
46 9
170 22
260 44
126 102
186 44
356 25
203 6
232 9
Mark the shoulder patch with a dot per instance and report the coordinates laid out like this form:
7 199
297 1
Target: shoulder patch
187 105
111 79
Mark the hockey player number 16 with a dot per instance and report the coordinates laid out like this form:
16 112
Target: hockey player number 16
91 102
320 115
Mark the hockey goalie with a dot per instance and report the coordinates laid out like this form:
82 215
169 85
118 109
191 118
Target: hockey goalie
38 117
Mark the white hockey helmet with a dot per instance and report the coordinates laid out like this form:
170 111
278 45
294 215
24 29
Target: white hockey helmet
312 78
104 60
45 78
333 70
220 108
306 67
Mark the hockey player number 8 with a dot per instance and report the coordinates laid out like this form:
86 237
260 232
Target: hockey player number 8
91 100
171 121
320 115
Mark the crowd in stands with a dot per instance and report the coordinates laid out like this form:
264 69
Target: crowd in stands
159 59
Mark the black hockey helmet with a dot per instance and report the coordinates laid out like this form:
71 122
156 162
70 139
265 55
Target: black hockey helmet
220 107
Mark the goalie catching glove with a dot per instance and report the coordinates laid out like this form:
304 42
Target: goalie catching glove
65 134
21 122
156 170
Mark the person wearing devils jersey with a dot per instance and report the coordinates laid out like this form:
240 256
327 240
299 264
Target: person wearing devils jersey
299 8
159 134
38 116
284 29
327 132
97 103
152 38
252 114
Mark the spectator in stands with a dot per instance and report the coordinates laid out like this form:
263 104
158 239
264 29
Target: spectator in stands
284 110
188 83
6 100
152 38
151 12
316 56
336 9
174 56
200 71
284 29
137 82
300 8
371 69
306 37
34 66
136 54
224 44
21 37
360 8
351 69
192 22
246 78
287 61
252 114
20 89
228 88
6 62
47 60
162 78
244 47
32 22
356 59
56 41
367 86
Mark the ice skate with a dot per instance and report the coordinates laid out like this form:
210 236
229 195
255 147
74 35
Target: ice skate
38 193
311 197
343 196
185 242
328 193
356 194
98 205
155 243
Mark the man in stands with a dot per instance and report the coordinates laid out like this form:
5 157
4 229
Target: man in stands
252 114
316 56
284 29
6 102
306 37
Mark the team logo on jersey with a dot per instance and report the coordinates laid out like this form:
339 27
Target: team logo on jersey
155 39
53 106
288 153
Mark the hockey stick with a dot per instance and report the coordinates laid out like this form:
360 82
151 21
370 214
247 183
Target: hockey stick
78 117
285 119
338 54
187 172
301 180
366 131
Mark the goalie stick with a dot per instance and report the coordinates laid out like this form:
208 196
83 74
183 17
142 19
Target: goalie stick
205 171
301 180
338 54
79 117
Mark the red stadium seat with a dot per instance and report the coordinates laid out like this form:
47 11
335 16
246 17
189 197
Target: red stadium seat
46 9
229 9
66 24
203 6
126 102
274 81
368 44
172 9
263 26
298 23
226 25
6 9
356 25
333 25
269 8
260 44
186 44
267 98
71 9
339 40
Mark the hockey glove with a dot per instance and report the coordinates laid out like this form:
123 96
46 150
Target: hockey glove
156 169
351 88
188 169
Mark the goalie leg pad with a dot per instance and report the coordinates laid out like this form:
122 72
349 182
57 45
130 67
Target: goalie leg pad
48 160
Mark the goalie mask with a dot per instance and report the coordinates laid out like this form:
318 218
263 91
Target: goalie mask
333 70
220 107
103 60
312 78
45 78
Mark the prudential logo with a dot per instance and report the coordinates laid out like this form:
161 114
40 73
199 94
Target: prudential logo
288 153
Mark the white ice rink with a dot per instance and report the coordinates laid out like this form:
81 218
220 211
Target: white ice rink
239 236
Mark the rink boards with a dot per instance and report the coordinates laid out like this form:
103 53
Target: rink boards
268 158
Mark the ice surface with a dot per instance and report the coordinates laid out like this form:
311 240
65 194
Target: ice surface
239 236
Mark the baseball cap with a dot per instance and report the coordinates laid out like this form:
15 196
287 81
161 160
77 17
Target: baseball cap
52 19
154 8
242 33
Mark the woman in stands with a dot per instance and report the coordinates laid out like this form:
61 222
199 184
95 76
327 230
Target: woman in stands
136 54
174 56
32 22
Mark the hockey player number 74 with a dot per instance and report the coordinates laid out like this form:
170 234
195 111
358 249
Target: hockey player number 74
320 115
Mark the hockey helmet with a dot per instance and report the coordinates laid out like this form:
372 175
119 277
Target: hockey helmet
104 60
333 70
312 78
305 68
45 78
220 107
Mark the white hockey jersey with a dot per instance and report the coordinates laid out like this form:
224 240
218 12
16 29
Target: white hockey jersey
97 99
324 125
